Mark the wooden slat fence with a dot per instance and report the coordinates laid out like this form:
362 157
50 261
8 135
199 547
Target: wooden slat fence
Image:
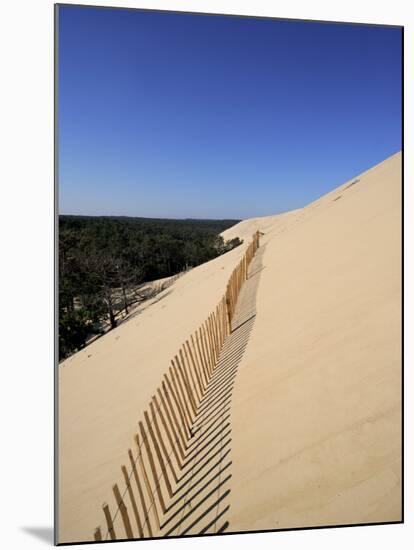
166 430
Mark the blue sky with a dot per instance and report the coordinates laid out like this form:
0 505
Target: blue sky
177 115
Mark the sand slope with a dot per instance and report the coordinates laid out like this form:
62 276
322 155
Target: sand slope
315 412
321 376
104 389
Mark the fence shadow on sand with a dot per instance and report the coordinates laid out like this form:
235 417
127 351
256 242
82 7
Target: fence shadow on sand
178 479
201 498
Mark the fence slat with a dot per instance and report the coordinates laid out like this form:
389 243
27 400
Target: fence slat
210 344
202 358
141 495
160 440
205 354
189 376
194 368
173 441
109 522
172 388
190 373
191 345
188 395
157 478
147 483
152 466
190 366
204 343
124 512
133 501
176 380
172 419
214 337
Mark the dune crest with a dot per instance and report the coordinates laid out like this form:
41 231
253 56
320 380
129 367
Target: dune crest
321 377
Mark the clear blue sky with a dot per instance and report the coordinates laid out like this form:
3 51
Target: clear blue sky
176 115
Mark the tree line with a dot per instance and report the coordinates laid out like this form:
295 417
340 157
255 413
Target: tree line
103 261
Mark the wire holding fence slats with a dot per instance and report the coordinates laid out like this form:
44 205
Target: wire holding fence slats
174 404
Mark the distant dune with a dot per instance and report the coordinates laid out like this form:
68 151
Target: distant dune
315 411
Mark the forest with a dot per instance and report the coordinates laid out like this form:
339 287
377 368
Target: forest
104 263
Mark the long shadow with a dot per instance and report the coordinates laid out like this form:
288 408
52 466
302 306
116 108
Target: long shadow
206 445
224 370
224 380
218 378
205 434
201 468
223 528
243 323
214 521
220 396
218 389
217 386
203 427
211 469
197 506
198 494
255 273
214 505
217 383
187 501
213 413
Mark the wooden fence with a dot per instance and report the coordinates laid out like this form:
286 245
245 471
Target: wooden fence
166 429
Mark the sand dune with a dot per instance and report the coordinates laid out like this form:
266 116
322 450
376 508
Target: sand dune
315 408
321 376
104 388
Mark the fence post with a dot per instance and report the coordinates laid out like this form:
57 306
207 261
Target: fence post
173 423
210 341
161 463
146 480
141 495
228 315
174 418
186 383
189 368
124 512
206 349
133 501
160 438
201 353
213 338
218 325
176 380
195 367
169 437
180 407
152 466
109 521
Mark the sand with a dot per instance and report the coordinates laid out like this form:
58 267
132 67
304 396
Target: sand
321 377
315 409
104 389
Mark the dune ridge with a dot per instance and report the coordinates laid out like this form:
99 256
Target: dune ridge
321 377
314 412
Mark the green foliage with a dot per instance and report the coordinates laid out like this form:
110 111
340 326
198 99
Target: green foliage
74 327
100 254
